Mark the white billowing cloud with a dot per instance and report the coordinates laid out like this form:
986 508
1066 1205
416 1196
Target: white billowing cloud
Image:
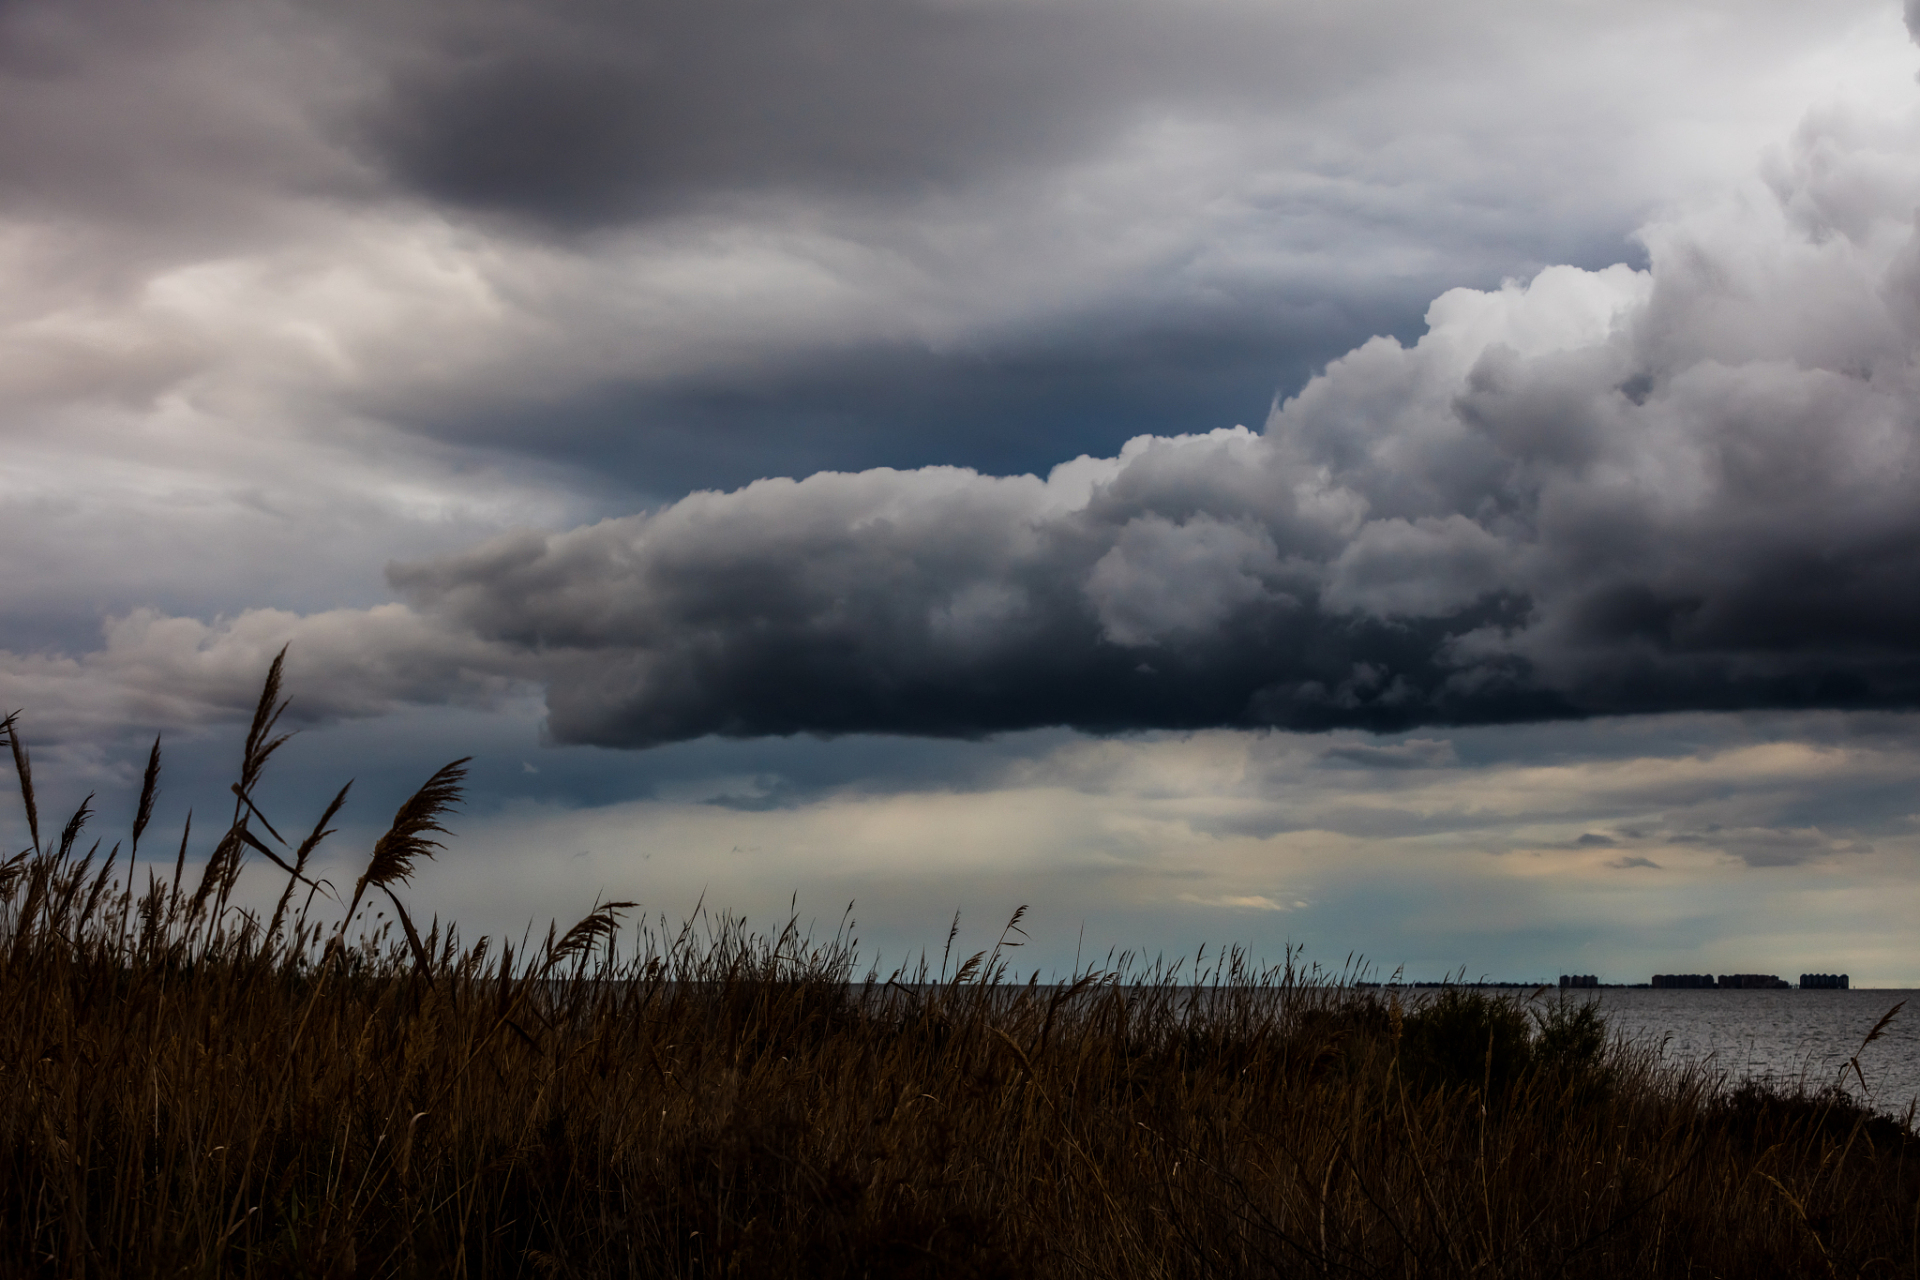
1162 580
1424 568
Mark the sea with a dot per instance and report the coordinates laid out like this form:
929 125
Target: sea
1784 1036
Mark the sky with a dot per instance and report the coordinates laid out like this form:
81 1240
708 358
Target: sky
1425 483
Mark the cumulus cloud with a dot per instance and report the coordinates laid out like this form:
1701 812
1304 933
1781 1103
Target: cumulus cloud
1591 492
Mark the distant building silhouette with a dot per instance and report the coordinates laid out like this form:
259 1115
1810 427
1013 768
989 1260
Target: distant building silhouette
1578 980
1753 982
1746 981
1688 981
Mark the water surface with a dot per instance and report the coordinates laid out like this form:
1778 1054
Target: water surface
1780 1035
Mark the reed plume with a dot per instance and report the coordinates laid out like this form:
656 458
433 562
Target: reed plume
409 837
149 792
23 771
579 941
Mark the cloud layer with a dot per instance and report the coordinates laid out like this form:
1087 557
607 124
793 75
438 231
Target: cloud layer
298 288
687 244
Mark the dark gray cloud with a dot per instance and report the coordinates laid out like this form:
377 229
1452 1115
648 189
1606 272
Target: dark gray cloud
590 113
1776 846
1601 493
1413 753
189 128
584 114
941 602
1001 407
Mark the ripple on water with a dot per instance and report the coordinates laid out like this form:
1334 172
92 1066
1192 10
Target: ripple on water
1779 1035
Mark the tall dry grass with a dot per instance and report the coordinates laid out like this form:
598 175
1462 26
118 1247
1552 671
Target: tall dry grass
188 1089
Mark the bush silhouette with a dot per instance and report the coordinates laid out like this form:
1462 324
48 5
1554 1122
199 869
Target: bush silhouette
1465 1038
1573 1037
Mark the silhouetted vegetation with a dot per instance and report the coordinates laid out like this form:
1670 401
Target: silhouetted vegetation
189 1088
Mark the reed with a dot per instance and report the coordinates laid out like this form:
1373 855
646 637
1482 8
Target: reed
186 1089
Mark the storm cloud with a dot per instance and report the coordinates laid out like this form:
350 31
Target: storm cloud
1594 492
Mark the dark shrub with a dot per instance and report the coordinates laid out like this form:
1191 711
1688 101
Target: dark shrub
1573 1037
1465 1037
1763 1112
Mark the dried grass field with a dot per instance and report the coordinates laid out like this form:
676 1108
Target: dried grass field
192 1089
